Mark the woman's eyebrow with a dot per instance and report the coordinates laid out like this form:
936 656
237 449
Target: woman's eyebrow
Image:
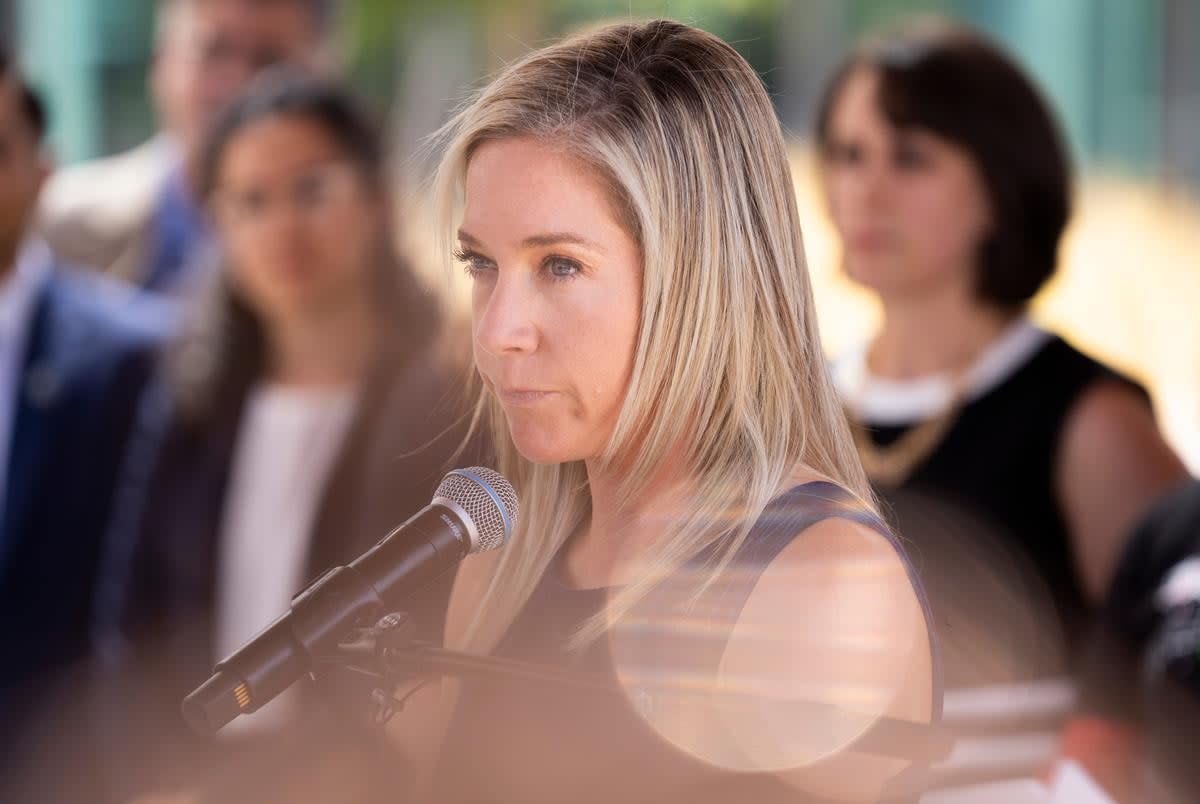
539 240
556 238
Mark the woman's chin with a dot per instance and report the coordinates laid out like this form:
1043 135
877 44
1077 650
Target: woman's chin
543 455
872 276
540 446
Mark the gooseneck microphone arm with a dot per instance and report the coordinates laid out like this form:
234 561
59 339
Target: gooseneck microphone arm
389 653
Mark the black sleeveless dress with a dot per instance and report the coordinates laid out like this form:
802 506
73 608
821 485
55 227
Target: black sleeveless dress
992 478
512 741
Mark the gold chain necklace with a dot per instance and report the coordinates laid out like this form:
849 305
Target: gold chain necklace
891 465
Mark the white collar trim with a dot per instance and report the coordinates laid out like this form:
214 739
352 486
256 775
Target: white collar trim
885 401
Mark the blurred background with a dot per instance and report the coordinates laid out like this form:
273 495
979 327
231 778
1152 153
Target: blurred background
1124 78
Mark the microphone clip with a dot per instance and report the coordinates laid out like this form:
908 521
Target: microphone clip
379 653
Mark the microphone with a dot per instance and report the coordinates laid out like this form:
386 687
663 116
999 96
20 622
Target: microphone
473 511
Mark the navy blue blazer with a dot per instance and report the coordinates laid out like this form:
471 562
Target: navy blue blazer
89 352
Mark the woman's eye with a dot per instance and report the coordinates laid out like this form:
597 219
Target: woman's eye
311 191
251 202
562 268
473 263
844 153
911 156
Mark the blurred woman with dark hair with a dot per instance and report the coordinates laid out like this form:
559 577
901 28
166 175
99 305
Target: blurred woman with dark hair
303 416
949 185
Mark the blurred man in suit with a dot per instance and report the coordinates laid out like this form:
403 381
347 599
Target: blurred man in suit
135 215
75 352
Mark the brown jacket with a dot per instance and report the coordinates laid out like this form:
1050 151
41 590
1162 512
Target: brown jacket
404 438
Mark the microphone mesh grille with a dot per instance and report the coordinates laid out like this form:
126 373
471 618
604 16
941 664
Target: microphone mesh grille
489 500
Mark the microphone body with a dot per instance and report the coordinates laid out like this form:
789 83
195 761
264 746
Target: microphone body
429 544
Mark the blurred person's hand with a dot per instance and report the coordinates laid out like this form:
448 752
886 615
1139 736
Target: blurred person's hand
1111 754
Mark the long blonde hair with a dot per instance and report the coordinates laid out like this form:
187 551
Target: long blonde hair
728 359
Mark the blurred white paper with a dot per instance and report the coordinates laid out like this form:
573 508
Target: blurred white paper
1072 785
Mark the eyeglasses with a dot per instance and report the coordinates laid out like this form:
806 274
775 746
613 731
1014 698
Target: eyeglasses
313 194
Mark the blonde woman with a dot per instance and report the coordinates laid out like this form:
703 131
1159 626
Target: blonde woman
693 511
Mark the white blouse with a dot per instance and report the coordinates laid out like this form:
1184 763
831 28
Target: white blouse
287 442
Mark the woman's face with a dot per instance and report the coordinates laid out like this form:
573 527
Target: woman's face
556 301
911 207
295 218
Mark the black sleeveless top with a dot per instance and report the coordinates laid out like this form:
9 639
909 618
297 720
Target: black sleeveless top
512 741
997 466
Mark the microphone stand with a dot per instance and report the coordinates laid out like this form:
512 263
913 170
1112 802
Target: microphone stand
388 654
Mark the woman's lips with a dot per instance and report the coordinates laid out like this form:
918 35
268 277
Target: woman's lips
523 397
870 240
